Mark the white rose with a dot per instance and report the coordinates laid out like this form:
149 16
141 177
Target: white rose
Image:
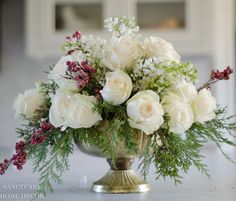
57 110
26 104
118 87
181 116
186 90
171 98
79 113
145 112
58 74
203 106
120 53
157 47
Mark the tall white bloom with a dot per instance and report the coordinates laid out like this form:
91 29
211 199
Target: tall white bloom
120 53
203 106
145 112
27 103
118 87
157 47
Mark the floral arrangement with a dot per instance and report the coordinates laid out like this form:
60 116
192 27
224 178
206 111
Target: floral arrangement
103 91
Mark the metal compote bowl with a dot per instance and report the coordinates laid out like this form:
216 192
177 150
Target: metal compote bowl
121 178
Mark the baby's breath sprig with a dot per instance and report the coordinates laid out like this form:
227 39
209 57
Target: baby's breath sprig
121 26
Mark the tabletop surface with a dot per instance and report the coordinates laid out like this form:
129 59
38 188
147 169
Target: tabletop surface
85 169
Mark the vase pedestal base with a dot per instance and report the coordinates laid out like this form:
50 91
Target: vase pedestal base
121 179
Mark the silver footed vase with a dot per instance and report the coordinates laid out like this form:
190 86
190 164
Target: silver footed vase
121 178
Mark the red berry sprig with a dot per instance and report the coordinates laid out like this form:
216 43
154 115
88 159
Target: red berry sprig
216 76
20 157
97 93
77 35
222 75
38 136
46 126
71 66
80 72
3 166
87 67
82 79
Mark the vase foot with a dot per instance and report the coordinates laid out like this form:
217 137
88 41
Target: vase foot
120 181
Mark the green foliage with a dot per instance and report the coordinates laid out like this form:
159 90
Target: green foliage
159 76
109 138
113 131
51 165
50 157
161 83
175 70
216 130
177 155
146 159
48 88
71 45
26 131
110 111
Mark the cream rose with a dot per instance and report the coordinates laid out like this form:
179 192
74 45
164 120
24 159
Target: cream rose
171 98
186 90
79 113
145 112
57 110
120 53
118 87
203 106
157 47
26 104
181 116
58 74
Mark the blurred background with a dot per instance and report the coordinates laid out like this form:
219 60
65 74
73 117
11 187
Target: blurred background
32 31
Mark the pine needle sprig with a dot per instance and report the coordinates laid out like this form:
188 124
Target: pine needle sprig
146 160
217 130
53 164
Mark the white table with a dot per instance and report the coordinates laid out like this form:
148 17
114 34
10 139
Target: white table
85 169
